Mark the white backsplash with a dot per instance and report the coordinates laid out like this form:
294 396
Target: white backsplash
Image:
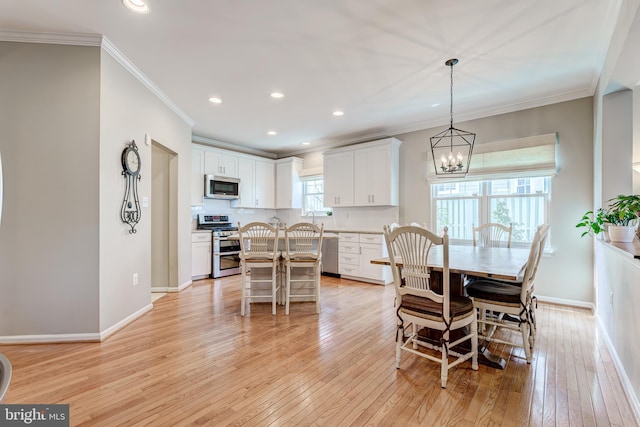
360 218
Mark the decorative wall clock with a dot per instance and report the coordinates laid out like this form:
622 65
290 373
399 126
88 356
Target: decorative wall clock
130 211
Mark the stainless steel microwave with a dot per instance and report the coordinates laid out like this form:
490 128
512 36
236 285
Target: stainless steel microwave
221 187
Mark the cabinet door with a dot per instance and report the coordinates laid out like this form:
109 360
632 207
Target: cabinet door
197 177
229 165
289 186
372 177
246 173
265 185
219 163
369 251
379 176
200 259
338 179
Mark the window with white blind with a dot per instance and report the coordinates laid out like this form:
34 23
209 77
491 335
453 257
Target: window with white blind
313 195
523 202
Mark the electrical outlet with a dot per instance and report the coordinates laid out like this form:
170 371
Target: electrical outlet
611 299
135 279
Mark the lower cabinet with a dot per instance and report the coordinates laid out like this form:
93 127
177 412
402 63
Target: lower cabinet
356 250
200 255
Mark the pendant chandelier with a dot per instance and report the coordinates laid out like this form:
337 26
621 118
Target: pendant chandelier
451 149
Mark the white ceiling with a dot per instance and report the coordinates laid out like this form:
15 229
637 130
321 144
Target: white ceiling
380 61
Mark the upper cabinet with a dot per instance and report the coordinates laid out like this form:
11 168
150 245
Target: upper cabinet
289 186
363 174
265 184
338 179
376 174
197 176
257 188
221 163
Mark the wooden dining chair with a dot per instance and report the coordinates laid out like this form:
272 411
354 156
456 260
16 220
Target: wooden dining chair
511 304
420 305
259 251
303 251
492 235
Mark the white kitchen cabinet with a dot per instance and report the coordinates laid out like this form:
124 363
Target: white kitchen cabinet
200 255
356 250
257 183
376 174
221 163
338 179
265 184
363 174
197 176
289 186
247 175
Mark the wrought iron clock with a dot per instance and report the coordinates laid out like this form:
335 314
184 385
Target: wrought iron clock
130 211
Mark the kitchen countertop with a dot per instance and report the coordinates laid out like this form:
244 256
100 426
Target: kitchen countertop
354 230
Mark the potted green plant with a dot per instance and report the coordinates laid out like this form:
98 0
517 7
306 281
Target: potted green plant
618 219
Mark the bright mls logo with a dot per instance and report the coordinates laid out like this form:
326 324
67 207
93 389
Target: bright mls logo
34 415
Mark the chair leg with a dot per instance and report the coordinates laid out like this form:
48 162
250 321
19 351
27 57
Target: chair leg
288 289
243 284
317 288
414 336
524 327
474 344
399 342
444 363
274 289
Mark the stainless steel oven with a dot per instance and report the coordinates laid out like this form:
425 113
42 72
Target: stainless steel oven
226 253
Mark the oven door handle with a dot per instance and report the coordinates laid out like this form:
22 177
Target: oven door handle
227 253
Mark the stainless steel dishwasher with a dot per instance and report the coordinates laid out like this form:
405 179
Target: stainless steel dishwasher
330 257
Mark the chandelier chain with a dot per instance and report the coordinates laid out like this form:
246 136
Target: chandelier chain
451 94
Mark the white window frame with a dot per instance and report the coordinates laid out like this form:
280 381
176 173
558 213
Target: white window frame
484 207
306 211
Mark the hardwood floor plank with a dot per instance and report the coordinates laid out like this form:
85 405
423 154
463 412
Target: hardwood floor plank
193 360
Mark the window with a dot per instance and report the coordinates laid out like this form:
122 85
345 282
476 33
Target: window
523 202
313 195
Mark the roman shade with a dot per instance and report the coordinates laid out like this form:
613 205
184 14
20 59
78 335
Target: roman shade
530 156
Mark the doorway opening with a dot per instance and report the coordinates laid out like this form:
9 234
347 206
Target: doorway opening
164 219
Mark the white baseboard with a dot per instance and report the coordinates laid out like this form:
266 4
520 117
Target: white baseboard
124 322
83 337
624 379
568 302
183 286
49 338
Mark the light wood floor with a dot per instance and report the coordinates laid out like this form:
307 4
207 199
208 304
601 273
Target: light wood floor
194 360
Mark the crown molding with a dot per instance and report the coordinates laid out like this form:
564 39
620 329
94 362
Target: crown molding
229 146
96 40
113 51
52 38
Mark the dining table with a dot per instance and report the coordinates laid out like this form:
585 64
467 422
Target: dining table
471 261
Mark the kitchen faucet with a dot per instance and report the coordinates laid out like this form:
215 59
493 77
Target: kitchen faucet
313 216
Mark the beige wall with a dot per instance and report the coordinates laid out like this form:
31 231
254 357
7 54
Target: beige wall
49 139
567 274
128 110
66 260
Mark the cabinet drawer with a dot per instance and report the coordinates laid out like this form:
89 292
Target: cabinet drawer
349 248
349 270
349 259
200 237
349 237
372 238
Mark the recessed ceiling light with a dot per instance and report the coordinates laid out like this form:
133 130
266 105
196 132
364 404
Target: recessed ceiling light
306 143
138 6
272 132
277 95
435 105
338 113
215 100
